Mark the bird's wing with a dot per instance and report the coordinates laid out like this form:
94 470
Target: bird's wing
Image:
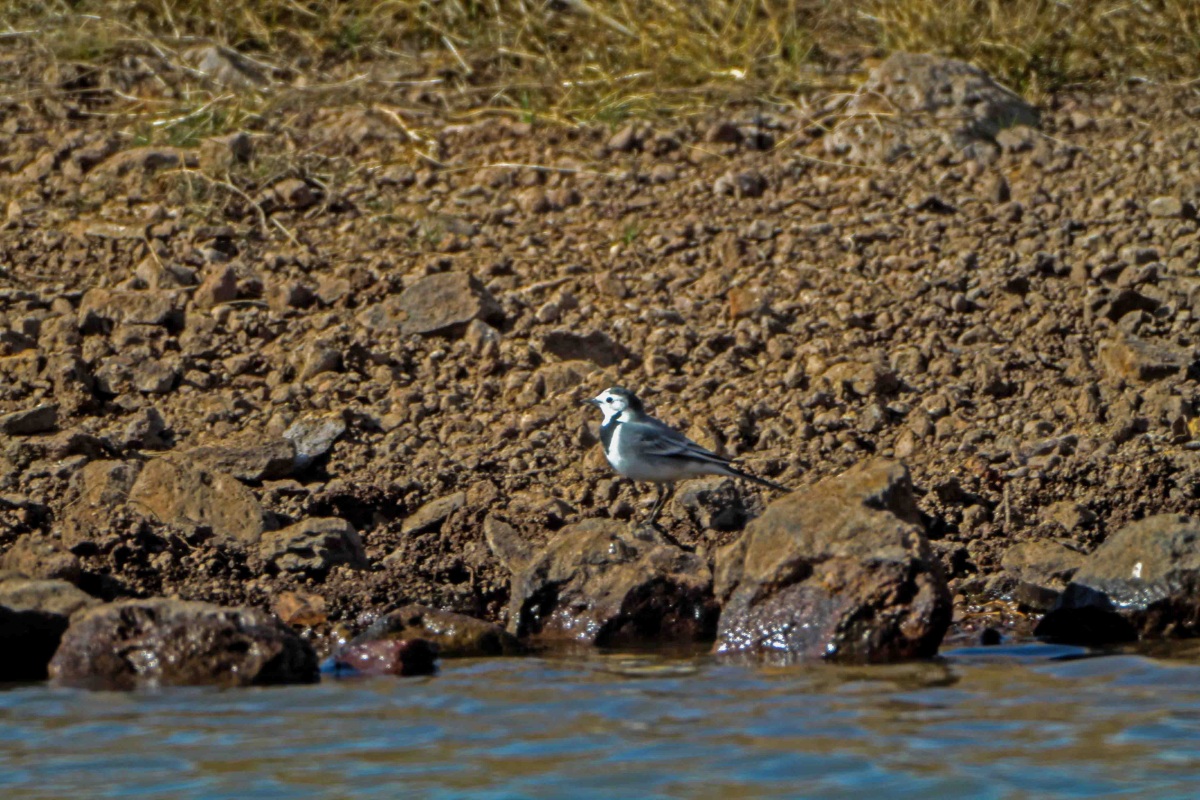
653 438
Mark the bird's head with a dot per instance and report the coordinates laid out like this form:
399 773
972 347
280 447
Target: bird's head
616 403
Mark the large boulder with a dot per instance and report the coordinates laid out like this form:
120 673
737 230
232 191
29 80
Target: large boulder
161 642
456 635
914 100
171 489
186 495
1143 581
840 570
597 582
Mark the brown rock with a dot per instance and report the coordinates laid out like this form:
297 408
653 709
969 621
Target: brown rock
748 183
627 139
106 307
508 546
593 346
430 516
296 194
840 570
445 303
456 635
1140 360
319 359
911 100
144 160
221 286
1165 206
228 67
221 153
534 201
261 461
595 583
34 420
284 297
47 596
98 489
300 609
565 376
161 642
314 546
186 495
713 503
747 302
41 557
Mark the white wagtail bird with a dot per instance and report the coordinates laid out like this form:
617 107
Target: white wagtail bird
642 448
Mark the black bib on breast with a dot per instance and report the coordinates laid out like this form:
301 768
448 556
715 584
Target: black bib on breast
606 433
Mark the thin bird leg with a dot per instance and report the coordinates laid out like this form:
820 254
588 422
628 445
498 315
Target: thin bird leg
664 491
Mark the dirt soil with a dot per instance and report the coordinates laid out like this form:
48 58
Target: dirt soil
1020 332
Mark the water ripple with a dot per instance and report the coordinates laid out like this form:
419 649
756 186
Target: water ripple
981 722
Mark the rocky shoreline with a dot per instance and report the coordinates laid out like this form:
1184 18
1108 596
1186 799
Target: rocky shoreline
296 378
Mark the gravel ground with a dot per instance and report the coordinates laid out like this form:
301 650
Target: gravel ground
206 351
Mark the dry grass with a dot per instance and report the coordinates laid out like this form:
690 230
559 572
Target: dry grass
1043 45
593 60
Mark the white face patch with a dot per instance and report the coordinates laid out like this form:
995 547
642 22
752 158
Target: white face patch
610 404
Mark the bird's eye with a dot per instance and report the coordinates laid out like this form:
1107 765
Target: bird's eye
609 401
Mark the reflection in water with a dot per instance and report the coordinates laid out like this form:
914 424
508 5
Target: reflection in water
1001 722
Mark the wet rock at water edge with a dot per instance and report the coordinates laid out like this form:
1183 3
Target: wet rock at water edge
597 583
401 657
1143 581
1036 573
162 642
455 635
840 570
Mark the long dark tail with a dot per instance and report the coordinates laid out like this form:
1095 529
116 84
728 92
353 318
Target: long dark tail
755 479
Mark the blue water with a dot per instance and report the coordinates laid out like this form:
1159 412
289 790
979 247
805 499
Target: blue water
1014 722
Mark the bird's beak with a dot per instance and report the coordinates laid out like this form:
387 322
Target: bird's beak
591 401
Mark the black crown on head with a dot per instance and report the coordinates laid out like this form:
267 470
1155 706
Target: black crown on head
631 399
